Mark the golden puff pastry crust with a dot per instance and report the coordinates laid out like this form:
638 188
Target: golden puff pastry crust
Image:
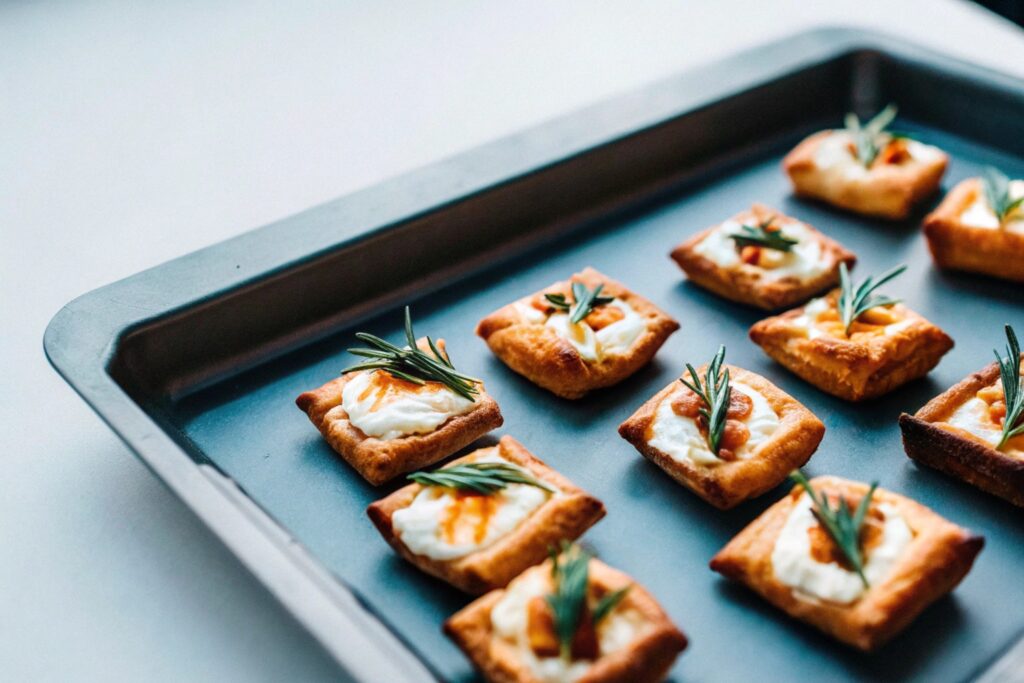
955 245
726 484
380 460
929 439
873 360
886 190
646 659
752 284
562 517
937 558
537 352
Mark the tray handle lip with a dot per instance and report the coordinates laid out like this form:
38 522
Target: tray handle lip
82 337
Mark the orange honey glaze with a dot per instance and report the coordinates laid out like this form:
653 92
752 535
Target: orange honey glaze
469 514
384 385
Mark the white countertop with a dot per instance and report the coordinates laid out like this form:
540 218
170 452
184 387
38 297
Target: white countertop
132 134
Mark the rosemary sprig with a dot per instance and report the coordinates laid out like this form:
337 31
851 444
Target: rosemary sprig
714 392
870 138
996 185
412 364
842 525
1013 388
570 573
481 477
585 300
855 301
761 236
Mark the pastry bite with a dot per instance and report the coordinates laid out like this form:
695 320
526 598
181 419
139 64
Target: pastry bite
480 521
581 334
400 410
856 562
729 437
853 343
572 618
866 169
764 258
975 430
979 227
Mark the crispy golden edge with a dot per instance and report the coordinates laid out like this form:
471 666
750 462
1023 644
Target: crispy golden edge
378 461
645 660
547 360
887 192
927 440
565 517
955 246
728 484
858 370
939 556
746 284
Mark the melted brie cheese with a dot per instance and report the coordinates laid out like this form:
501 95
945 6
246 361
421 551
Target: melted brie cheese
609 340
443 524
804 261
679 437
509 621
806 320
834 155
385 408
973 417
980 215
795 567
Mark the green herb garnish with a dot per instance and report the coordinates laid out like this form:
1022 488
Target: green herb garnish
570 573
585 301
1013 388
412 364
481 477
871 137
761 236
854 302
714 392
996 185
842 525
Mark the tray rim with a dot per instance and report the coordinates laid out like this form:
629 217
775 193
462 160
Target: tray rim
82 338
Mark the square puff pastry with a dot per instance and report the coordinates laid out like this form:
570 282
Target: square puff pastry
824 166
727 483
518 335
644 658
379 460
565 515
714 262
934 556
887 347
964 234
954 433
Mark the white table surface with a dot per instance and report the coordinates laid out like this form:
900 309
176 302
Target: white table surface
132 134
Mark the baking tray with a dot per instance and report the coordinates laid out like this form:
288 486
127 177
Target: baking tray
196 363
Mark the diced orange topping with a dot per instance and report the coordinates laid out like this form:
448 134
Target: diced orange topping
997 412
750 255
603 316
540 632
467 518
824 549
871 322
740 405
991 394
896 152
687 404
734 435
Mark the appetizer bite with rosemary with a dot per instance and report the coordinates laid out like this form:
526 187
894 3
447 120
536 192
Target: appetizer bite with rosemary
764 258
979 227
866 168
854 343
585 333
855 561
975 430
571 618
725 433
480 521
401 409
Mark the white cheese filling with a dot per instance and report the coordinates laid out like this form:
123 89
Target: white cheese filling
678 436
980 215
972 417
794 566
803 261
509 621
609 340
806 320
424 528
834 155
386 409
